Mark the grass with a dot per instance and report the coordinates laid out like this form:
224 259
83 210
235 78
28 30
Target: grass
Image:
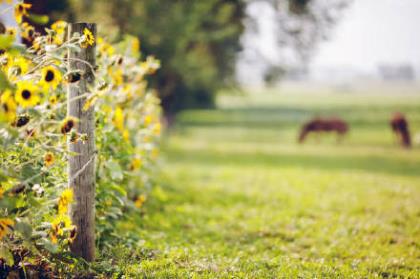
240 199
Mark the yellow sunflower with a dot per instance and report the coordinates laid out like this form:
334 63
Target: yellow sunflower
59 27
135 45
157 128
57 225
117 77
8 105
28 31
135 164
6 226
88 38
21 10
18 66
27 94
11 31
73 234
53 100
140 201
50 77
104 47
68 124
48 159
5 62
119 119
64 201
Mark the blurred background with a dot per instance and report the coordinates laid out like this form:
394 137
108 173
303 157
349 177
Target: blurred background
207 46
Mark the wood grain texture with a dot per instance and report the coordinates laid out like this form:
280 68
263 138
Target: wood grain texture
83 208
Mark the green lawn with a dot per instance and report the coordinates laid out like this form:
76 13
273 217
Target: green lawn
240 199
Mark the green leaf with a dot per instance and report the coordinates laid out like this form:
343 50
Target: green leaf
4 82
39 19
5 41
6 255
49 246
24 228
115 170
119 189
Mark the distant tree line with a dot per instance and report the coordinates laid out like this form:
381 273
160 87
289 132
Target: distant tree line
197 41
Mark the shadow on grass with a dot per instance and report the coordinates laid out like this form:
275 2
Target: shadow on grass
337 162
263 117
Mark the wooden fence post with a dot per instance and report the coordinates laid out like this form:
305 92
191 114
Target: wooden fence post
81 167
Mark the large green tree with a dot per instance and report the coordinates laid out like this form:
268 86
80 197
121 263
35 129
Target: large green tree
196 41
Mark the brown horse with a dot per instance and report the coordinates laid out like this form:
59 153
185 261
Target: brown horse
318 125
399 126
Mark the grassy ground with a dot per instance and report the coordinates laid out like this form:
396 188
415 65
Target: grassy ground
240 199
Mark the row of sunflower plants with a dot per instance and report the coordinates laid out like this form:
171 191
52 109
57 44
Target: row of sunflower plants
35 131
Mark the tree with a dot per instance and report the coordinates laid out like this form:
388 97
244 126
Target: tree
299 27
196 41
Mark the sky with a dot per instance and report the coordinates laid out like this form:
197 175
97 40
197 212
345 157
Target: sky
370 33
373 32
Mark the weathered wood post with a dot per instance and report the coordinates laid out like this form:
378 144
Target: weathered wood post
81 166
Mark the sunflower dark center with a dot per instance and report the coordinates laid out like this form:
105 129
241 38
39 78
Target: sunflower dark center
49 76
20 8
26 94
31 33
70 124
6 108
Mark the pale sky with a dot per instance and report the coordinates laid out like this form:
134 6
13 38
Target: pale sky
372 32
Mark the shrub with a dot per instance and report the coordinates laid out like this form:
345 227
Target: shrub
35 229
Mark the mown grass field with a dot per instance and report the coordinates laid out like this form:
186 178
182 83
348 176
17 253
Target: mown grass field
241 199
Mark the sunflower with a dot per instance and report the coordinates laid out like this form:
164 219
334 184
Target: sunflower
157 128
57 225
59 27
6 226
116 76
104 47
50 77
27 94
53 100
64 201
135 45
5 62
135 164
11 31
68 124
28 31
21 10
140 201
148 119
21 120
119 119
73 77
8 105
18 66
151 65
88 38
48 159
73 234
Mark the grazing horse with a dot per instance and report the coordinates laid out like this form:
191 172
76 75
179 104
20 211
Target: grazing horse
318 125
399 125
